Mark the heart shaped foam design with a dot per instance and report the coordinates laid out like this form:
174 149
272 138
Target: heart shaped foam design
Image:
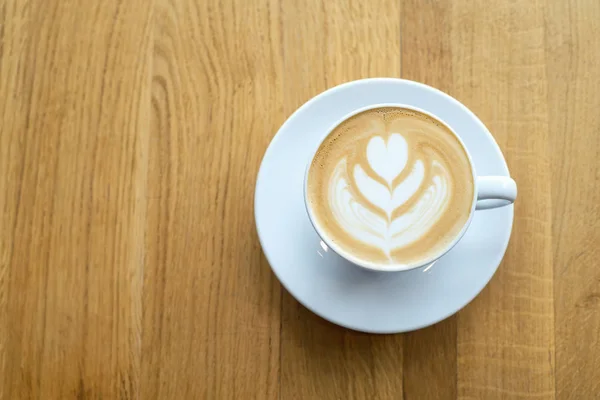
387 159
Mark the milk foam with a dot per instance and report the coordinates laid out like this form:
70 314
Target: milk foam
388 231
391 185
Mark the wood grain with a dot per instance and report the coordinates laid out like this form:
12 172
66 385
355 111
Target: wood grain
211 305
506 336
131 134
573 56
74 125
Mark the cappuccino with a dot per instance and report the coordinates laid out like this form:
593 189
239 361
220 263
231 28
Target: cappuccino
391 185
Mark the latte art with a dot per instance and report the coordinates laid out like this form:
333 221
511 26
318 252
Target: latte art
389 229
391 185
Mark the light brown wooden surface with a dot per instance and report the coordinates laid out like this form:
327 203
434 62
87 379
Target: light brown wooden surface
131 135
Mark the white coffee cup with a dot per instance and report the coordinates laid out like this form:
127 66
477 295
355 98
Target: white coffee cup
489 192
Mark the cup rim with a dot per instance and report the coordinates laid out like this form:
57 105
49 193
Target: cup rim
372 265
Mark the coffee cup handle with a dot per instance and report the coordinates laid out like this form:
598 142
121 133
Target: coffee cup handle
495 191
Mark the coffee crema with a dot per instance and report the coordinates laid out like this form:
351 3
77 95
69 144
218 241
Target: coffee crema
391 186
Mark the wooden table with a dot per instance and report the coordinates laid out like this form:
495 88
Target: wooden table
131 136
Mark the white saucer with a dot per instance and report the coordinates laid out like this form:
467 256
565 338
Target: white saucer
377 302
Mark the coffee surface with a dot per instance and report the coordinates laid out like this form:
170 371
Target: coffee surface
391 186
